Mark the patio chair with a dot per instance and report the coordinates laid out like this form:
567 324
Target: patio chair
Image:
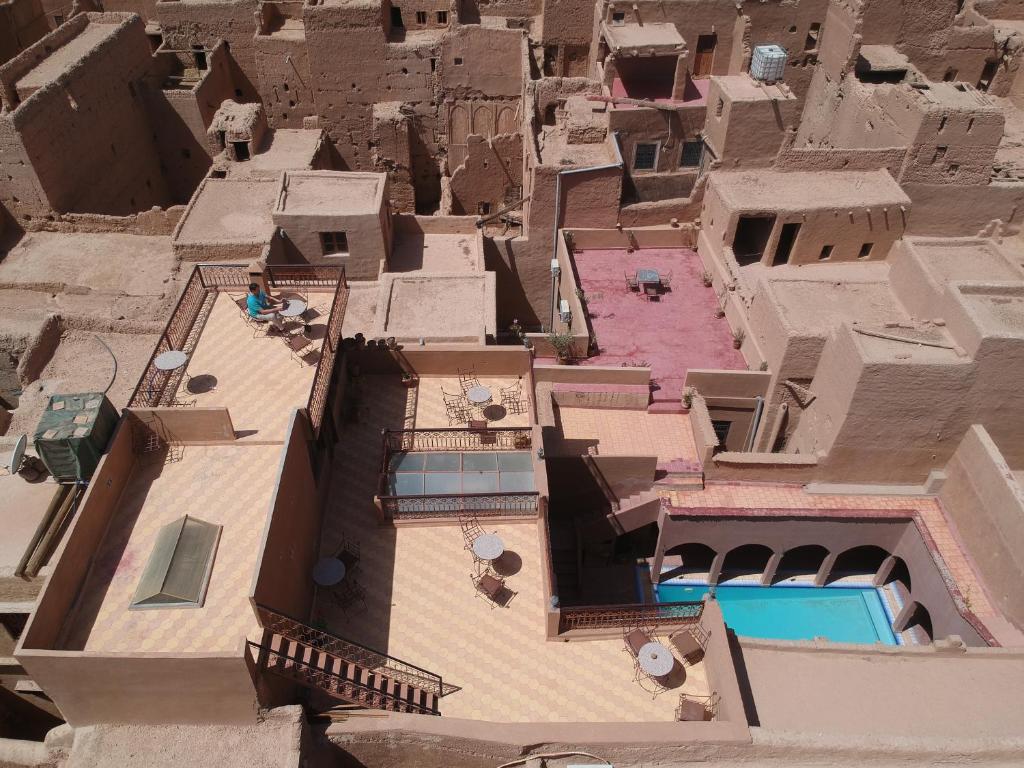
471 531
697 708
348 553
468 380
457 408
492 588
348 594
631 282
666 281
652 292
300 347
690 642
512 399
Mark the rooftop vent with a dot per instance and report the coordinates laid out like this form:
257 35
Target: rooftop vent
178 570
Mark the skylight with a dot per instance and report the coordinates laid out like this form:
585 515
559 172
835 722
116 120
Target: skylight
179 567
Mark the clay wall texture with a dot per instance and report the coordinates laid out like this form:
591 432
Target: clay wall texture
93 96
985 501
22 22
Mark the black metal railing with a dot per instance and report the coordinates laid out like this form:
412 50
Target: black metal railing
319 394
350 690
618 616
409 440
352 652
480 505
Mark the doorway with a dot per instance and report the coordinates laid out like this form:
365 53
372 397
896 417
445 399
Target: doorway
787 237
241 150
752 233
705 55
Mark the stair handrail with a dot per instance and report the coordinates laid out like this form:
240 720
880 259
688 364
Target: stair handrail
349 650
375 695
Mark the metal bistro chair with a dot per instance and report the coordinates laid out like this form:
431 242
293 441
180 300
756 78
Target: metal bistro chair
690 642
348 595
457 408
631 282
348 553
512 399
666 281
300 347
468 380
493 589
471 531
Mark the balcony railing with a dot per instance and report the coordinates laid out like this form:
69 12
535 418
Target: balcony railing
618 616
409 440
157 388
480 505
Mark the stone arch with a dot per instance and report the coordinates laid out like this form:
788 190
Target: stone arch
866 559
899 572
916 618
506 121
483 121
746 560
805 560
458 125
694 557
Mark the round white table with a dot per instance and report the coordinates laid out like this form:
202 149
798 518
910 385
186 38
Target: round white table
655 659
489 546
478 395
294 308
170 360
328 571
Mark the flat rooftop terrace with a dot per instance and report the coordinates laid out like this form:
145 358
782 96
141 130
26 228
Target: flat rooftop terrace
65 57
228 485
229 211
325 193
500 658
672 335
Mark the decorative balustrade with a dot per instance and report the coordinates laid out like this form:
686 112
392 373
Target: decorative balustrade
354 653
410 440
615 616
320 391
479 505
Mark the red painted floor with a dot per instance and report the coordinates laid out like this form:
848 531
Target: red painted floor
672 335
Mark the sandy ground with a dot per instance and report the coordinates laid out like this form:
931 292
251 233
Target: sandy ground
82 364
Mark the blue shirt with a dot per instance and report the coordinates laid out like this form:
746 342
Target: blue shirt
256 303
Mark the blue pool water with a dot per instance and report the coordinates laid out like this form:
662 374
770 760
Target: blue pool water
841 614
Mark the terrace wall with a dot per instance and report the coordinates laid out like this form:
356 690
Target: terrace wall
442 360
986 502
196 426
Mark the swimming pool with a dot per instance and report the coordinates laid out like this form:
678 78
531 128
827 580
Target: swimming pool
843 614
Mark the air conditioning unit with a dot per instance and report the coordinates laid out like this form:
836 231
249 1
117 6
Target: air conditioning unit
768 63
564 313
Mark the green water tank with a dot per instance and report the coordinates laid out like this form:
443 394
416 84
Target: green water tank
72 434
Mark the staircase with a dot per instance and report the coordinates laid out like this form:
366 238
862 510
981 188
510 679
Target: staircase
681 475
344 670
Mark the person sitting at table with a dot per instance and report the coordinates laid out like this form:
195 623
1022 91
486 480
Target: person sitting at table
263 307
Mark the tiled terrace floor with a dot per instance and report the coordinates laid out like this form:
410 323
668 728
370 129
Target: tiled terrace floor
627 433
674 334
227 485
258 380
431 413
421 606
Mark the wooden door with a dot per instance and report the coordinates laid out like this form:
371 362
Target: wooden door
705 55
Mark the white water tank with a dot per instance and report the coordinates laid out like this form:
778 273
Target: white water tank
768 63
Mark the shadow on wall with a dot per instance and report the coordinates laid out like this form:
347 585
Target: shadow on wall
513 303
746 693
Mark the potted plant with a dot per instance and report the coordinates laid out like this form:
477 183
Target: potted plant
521 441
705 277
565 346
737 338
688 398
408 379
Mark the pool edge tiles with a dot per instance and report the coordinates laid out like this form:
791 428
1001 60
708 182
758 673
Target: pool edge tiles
860 612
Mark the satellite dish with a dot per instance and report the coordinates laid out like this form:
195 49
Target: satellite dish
17 455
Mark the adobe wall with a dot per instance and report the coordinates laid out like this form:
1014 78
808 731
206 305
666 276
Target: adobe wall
22 22
284 79
491 168
188 426
986 504
367 243
290 542
953 210
185 24
81 543
93 97
747 133
146 688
